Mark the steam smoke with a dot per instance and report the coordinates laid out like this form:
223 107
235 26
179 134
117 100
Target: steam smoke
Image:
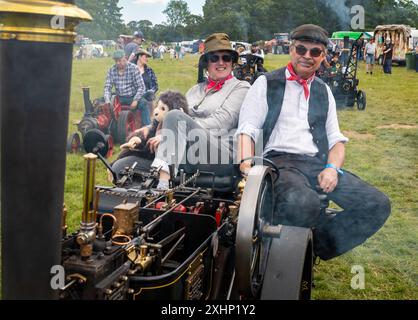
342 11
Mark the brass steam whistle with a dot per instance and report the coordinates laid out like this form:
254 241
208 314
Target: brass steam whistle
87 232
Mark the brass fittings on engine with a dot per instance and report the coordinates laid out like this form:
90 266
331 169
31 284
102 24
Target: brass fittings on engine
49 21
126 215
143 260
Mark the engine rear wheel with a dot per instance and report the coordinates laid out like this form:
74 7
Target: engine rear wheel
110 144
125 125
361 100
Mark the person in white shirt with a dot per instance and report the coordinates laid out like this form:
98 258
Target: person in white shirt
369 55
295 115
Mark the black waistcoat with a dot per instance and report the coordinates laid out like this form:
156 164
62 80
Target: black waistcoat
147 79
317 111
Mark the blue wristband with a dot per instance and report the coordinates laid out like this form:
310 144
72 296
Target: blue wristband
330 165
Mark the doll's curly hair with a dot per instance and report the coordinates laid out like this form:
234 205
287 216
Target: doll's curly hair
174 100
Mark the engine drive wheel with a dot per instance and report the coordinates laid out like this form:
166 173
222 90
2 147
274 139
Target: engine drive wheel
361 100
125 125
252 248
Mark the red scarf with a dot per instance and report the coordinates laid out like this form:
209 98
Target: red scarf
217 85
304 83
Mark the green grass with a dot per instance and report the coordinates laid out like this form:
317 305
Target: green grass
384 157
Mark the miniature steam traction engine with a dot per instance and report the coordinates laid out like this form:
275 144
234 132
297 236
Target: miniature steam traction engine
343 80
115 120
210 236
189 242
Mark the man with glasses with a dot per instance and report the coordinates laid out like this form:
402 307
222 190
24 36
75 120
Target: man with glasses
294 114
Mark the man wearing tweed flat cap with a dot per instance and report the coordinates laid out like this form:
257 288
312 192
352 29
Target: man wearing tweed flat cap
296 113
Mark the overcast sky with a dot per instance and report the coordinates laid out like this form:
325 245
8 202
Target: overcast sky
152 9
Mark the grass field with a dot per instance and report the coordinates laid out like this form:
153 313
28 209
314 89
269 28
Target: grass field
383 150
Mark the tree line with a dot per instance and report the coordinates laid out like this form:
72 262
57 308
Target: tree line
245 20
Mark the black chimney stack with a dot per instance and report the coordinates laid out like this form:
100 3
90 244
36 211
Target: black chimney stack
36 43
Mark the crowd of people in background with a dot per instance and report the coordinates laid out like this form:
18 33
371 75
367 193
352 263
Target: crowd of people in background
336 58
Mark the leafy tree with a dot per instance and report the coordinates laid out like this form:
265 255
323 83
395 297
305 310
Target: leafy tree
177 12
107 19
245 20
142 25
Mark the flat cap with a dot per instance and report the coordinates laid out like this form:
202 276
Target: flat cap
310 32
118 54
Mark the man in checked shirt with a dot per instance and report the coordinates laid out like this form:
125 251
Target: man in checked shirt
128 83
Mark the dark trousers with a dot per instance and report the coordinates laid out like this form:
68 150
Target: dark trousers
143 163
365 209
387 66
143 107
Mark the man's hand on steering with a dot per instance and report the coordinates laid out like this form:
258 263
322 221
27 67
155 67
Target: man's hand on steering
153 143
328 179
245 167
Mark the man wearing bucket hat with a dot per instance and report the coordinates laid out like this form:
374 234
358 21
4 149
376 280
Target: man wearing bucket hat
150 79
295 115
214 106
127 81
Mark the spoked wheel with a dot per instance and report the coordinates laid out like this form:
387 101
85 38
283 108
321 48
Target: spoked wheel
110 144
126 125
73 143
361 100
252 248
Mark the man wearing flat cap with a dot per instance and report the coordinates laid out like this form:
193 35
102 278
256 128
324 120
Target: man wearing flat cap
127 81
292 115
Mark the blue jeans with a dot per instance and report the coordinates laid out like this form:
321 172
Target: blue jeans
142 107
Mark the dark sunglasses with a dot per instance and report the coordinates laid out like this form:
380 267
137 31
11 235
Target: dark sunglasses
314 52
215 58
